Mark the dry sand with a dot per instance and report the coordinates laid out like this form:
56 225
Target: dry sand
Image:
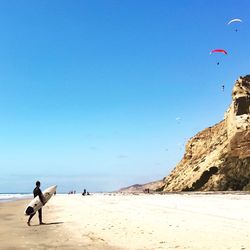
176 221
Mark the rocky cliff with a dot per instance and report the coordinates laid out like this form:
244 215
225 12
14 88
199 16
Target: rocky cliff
218 158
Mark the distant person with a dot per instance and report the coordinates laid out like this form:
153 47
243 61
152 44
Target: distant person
37 192
84 192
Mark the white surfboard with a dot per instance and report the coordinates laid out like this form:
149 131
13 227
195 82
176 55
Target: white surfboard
36 204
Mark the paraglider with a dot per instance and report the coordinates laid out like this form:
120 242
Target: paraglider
178 119
235 20
218 51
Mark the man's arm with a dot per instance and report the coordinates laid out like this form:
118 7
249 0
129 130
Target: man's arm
41 197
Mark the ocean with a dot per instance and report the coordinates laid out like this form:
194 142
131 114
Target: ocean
14 196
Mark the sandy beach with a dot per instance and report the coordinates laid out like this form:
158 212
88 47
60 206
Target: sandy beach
116 221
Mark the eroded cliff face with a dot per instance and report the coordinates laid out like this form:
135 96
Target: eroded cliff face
218 158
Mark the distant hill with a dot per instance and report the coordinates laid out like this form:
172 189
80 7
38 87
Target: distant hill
140 188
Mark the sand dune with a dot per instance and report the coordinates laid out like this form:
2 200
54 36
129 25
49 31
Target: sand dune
131 222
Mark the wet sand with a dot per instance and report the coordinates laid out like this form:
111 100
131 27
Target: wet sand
131 222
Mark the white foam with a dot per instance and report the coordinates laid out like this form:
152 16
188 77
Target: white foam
11 197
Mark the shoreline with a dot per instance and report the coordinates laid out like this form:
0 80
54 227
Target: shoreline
117 221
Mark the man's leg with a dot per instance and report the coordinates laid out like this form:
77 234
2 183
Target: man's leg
40 216
31 216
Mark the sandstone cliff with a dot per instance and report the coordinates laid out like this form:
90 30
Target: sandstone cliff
218 158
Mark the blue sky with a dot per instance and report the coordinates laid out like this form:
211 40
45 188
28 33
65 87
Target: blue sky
90 90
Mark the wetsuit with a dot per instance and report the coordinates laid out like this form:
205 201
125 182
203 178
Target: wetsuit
37 192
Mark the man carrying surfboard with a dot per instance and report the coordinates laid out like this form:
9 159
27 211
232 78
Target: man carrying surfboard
37 192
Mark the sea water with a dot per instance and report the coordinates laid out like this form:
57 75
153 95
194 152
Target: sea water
14 196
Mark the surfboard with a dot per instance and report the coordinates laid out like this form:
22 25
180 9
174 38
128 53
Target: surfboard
36 204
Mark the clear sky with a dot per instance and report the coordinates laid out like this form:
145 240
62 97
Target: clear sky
104 94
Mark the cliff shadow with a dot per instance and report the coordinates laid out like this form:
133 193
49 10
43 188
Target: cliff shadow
202 180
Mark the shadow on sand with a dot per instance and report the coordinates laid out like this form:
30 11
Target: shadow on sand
50 223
